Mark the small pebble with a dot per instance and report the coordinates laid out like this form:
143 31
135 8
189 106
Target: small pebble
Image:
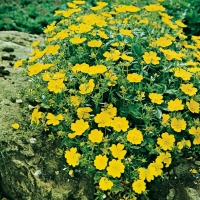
32 140
197 162
37 173
18 101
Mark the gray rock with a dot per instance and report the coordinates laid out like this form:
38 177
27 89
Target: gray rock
17 43
193 194
197 162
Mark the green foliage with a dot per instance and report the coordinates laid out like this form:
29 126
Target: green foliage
188 11
25 15
28 16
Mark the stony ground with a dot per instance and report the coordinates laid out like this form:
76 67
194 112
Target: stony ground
29 167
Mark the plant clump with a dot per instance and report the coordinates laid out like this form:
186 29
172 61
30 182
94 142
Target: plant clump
120 86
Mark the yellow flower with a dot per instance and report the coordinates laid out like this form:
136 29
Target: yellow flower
15 126
112 77
72 5
135 136
95 136
102 34
144 21
193 171
87 88
50 27
115 168
151 57
183 143
117 151
79 2
139 186
100 6
46 76
165 118
132 8
36 43
120 124
110 110
125 8
18 63
156 98
169 55
178 124
180 24
59 75
100 162
83 113
193 106
52 49
103 119
77 40
79 127
145 174
163 42
98 69
191 63
126 32
52 119
154 7
105 184
188 89
156 168
56 86
35 69
164 158
83 28
38 54
72 158
194 69
36 116
115 55
75 100
94 43
166 142
66 13
182 74
71 135
127 58
175 105
134 78
62 35
196 132
84 67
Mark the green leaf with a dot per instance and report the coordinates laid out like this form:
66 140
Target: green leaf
158 113
171 91
137 49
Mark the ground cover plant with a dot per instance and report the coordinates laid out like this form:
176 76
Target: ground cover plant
120 85
25 15
188 11
28 16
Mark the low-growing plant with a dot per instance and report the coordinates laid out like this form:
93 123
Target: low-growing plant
120 86
188 11
28 16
